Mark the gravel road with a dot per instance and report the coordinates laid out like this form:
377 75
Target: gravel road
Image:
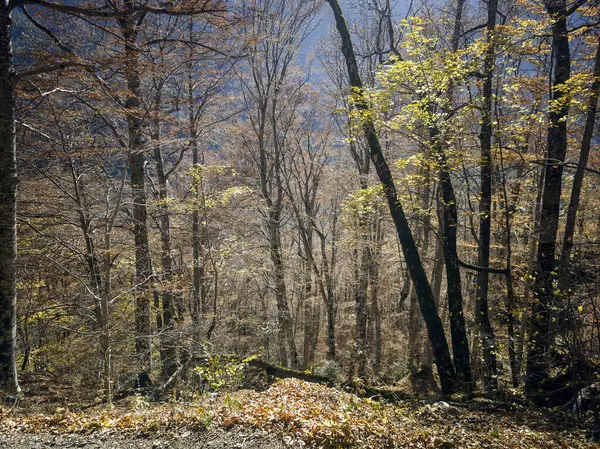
211 439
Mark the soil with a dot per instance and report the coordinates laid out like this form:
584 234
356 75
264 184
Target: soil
210 439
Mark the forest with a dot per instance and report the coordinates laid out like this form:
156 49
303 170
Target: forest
376 200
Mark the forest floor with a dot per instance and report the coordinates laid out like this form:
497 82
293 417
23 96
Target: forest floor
290 414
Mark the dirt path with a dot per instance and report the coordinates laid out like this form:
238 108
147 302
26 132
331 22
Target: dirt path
211 439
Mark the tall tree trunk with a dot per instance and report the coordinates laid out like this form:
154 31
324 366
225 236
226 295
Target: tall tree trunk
168 346
91 257
411 254
416 321
327 288
537 360
8 210
143 262
101 292
511 311
198 306
374 308
414 330
104 340
324 281
531 260
289 354
284 317
436 286
458 331
485 208
586 143
308 349
361 284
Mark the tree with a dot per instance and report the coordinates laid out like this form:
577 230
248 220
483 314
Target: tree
485 204
129 20
567 245
278 29
544 292
411 254
8 212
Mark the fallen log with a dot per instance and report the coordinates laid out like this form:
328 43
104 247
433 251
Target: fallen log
365 391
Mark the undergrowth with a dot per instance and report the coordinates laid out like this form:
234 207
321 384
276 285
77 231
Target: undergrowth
321 417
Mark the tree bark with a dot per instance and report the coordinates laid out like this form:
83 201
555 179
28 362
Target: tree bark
531 260
284 318
8 209
328 290
363 261
198 306
168 347
586 143
537 360
458 331
136 160
411 254
485 208
374 308
101 292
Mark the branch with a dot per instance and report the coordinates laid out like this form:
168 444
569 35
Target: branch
475 28
482 269
53 68
566 164
47 31
578 4
190 42
585 25
115 13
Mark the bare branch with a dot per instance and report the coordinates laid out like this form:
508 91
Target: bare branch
53 68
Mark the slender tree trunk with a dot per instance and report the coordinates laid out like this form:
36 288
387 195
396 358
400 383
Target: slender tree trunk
537 360
143 262
416 347
511 304
526 321
104 340
8 210
328 292
198 272
458 331
414 329
374 312
101 292
411 254
331 314
168 346
324 283
586 143
308 349
404 290
289 354
104 325
436 286
198 306
361 285
91 257
485 209
285 324
215 296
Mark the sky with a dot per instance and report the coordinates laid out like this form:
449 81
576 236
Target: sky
327 23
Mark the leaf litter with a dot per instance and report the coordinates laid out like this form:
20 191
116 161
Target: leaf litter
305 414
